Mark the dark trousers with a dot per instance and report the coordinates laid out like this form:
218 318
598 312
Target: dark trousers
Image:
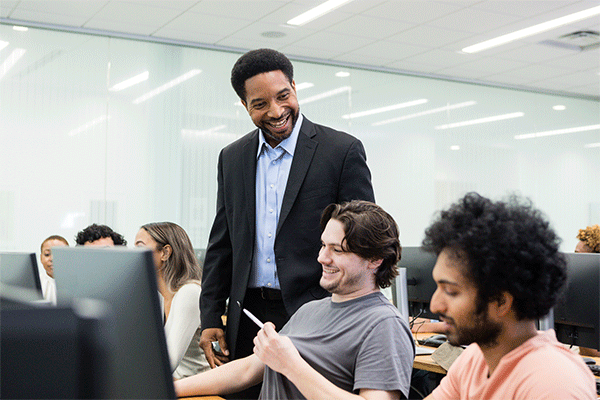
267 306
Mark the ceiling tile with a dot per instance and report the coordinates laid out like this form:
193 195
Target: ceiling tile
253 10
6 7
414 12
429 36
129 13
521 8
195 24
327 41
47 18
441 58
486 21
369 27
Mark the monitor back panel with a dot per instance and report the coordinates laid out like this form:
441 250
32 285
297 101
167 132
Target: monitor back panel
125 279
21 270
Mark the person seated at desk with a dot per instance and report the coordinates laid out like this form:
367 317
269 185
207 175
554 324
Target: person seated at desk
47 279
178 275
354 342
589 242
498 269
99 235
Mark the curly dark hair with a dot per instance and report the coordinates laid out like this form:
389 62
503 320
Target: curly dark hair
95 232
370 233
591 237
505 247
256 62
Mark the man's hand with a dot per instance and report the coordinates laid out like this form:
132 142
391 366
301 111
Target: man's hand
276 351
208 336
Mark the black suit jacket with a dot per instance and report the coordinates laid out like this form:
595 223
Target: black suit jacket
328 167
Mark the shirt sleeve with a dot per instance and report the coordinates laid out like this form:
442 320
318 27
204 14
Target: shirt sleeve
183 321
385 359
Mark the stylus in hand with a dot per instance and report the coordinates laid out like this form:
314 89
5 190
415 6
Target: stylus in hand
251 316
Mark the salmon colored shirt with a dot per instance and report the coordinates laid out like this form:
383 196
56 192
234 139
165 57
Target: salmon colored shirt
541 368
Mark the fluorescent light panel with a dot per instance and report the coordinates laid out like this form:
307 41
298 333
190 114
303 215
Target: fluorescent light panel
591 145
481 120
89 125
533 30
384 109
167 86
130 82
324 95
317 12
3 44
20 28
203 132
427 112
558 132
10 61
304 85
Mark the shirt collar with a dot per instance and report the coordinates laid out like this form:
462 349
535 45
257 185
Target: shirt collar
288 144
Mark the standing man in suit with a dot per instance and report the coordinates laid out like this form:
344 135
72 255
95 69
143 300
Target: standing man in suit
273 184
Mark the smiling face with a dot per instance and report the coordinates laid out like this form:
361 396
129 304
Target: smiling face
46 255
455 300
272 105
346 275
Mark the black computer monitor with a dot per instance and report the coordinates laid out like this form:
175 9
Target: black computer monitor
577 314
125 279
51 352
21 270
420 284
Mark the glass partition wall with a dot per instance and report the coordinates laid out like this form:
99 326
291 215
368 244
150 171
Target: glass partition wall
79 145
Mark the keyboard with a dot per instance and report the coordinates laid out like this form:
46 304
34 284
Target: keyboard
431 342
595 368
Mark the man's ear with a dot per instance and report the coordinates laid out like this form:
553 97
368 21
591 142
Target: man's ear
244 104
374 264
503 305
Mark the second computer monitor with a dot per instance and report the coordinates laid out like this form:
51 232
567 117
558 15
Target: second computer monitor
20 270
125 279
577 314
420 284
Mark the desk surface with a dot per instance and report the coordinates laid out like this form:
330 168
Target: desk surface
425 362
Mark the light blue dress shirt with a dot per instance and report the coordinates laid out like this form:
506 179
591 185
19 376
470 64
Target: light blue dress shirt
272 170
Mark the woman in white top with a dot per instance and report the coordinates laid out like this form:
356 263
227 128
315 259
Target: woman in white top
178 275
47 279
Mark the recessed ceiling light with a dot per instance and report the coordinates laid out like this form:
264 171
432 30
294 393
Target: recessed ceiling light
533 30
317 12
455 147
384 109
20 28
273 34
342 74
426 112
558 132
481 120
559 107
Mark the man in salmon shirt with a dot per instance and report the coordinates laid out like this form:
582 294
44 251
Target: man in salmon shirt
498 270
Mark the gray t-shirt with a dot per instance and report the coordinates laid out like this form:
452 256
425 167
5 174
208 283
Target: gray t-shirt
362 343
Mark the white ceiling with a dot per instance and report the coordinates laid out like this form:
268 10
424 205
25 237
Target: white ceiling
420 36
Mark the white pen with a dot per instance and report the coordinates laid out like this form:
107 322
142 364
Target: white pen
251 316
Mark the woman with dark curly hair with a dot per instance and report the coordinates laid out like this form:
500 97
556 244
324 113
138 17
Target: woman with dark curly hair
178 275
498 270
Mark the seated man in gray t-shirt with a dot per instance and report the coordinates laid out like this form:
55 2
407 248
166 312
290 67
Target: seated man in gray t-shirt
355 342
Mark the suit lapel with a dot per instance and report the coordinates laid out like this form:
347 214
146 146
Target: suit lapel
303 155
248 165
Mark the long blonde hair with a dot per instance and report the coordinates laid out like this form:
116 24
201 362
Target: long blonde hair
182 266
